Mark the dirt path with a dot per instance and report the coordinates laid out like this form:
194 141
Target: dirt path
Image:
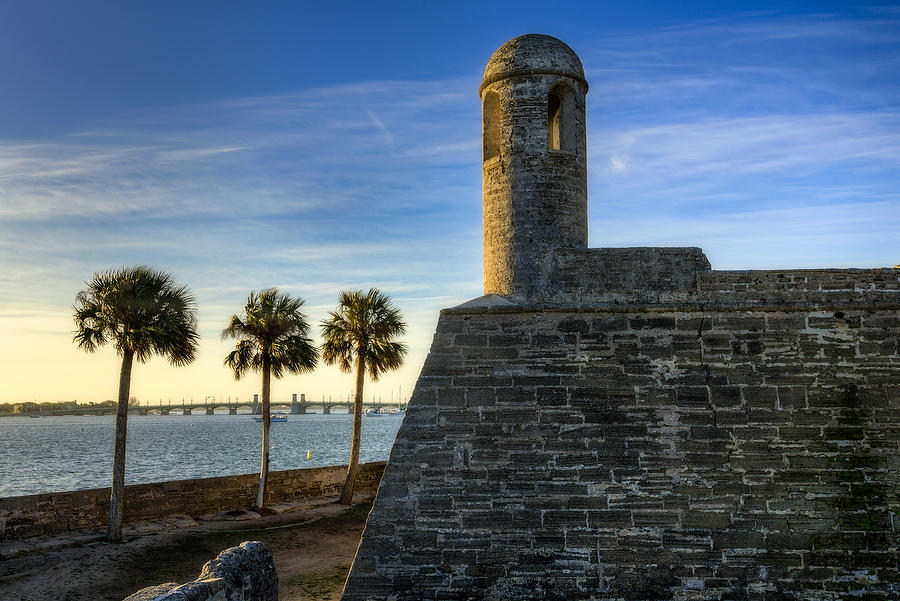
313 550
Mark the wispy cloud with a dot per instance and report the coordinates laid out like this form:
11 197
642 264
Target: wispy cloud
388 136
798 145
770 140
192 154
283 151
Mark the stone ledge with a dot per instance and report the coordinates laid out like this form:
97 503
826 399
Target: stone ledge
672 306
750 290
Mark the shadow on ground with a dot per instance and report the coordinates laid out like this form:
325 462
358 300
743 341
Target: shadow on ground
312 549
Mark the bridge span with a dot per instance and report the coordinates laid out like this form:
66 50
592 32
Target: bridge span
210 405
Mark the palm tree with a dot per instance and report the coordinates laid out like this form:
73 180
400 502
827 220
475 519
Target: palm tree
361 331
272 339
142 312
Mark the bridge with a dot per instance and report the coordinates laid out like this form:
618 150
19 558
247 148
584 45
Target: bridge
300 407
210 405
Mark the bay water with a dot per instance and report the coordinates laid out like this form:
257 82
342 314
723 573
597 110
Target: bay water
59 453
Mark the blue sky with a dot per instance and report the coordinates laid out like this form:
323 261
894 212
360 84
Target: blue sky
321 147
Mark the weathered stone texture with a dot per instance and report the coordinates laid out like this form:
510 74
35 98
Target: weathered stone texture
616 453
598 274
535 197
870 288
657 278
54 513
242 573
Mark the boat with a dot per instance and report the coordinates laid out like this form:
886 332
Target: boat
275 417
384 411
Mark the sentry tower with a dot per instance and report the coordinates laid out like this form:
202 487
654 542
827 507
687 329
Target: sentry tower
534 162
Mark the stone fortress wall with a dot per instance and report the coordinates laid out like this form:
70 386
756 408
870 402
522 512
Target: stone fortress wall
628 424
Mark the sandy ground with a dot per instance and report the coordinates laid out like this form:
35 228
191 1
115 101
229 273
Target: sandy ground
313 550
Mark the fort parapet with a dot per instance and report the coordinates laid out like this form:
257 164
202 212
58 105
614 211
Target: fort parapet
628 424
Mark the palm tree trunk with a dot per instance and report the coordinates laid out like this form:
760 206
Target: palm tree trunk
353 466
116 496
266 423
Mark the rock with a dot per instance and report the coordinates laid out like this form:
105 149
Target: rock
242 573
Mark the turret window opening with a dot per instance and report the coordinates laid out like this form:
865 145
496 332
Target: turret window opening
554 115
562 119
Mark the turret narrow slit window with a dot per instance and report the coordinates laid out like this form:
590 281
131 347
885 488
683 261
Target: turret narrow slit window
491 124
554 131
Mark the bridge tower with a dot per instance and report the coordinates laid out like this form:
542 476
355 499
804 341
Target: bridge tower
534 166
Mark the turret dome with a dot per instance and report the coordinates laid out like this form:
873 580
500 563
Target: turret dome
533 54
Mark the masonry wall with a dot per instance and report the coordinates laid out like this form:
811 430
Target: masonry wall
54 513
744 444
595 274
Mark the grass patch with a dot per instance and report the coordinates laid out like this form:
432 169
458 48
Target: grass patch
319 585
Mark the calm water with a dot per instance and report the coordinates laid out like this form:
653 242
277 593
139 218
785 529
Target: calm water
52 454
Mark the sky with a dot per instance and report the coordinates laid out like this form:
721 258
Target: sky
319 147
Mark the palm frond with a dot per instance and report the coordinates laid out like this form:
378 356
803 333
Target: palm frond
140 310
384 356
364 323
243 358
293 354
236 328
338 350
276 327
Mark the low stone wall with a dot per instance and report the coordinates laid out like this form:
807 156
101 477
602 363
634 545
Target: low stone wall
55 513
661 278
591 273
242 573
837 289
